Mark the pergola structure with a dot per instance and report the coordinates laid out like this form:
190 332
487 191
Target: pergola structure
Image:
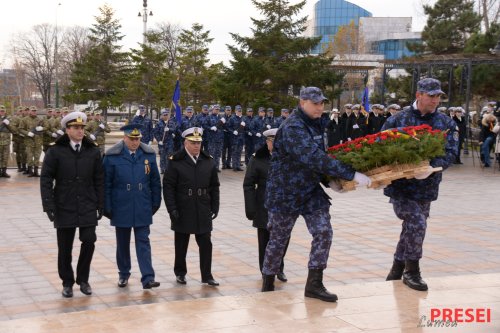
429 63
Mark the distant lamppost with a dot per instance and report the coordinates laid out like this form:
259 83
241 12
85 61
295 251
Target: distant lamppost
145 18
56 61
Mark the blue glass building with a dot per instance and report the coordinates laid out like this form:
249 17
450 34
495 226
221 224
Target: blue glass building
394 48
330 15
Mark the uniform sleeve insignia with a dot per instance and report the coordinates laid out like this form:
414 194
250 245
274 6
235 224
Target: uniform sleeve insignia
147 168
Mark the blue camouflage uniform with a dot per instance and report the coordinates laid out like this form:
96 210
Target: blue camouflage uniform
215 136
236 129
269 120
299 163
278 121
411 198
164 134
201 120
249 146
226 145
258 127
147 127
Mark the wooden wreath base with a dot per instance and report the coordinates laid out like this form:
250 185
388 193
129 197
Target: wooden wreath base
383 176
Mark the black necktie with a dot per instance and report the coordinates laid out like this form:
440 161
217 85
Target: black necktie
133 156
77 147
195 159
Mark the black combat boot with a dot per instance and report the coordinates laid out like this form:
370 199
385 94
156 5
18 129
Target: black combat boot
411 276
29 171
19 167
396 271
267 283
25 169
5 174
315 287
35 173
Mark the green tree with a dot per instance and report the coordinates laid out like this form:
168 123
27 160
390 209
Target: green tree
192 62
269 67
449 24
103 73
150 82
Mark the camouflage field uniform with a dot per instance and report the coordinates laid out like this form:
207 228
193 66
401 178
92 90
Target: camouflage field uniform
411 198
98 129
33 143
298 165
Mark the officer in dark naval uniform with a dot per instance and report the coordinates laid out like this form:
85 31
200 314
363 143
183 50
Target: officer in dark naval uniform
299 163
191 193
411 198
72 188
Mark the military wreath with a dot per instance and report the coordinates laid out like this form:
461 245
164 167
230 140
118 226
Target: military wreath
404 145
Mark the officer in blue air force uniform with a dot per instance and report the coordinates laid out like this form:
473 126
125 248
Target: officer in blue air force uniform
299 163
411 198
132 197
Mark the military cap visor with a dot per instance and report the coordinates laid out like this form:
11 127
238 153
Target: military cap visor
193 134
132 130
76 118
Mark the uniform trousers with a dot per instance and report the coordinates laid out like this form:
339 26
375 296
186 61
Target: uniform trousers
205 251
65 238
142 250
226 150
414 215
263 239
280 226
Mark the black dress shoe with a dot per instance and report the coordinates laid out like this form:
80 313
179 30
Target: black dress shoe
85 288
180 279
210 282
237 169
67 292
281 276
151 284
122 283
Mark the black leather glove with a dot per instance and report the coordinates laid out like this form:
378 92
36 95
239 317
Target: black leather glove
99 214
155 209
51 214
174 214
109 215
214 215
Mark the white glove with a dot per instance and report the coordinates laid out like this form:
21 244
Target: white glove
235 132
268 126
31 134
6 121
54 135
341 141
335 186
60 132
213 128
223 120
258 135
102 126
166 129
249 133
160 143
362 180
92 136
424 174
39 128
173 135
355 126
243 124
349 139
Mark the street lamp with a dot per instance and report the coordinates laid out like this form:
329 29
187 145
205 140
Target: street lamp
145 18
56 61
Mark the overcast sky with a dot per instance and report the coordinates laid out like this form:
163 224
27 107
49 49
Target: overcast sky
218 16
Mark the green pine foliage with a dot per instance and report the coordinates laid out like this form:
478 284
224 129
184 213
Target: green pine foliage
408 145
270 66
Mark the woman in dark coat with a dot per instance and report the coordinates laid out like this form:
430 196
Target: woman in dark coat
254 188
191 193
72 189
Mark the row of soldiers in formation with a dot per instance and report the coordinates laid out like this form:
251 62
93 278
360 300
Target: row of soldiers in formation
31 134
